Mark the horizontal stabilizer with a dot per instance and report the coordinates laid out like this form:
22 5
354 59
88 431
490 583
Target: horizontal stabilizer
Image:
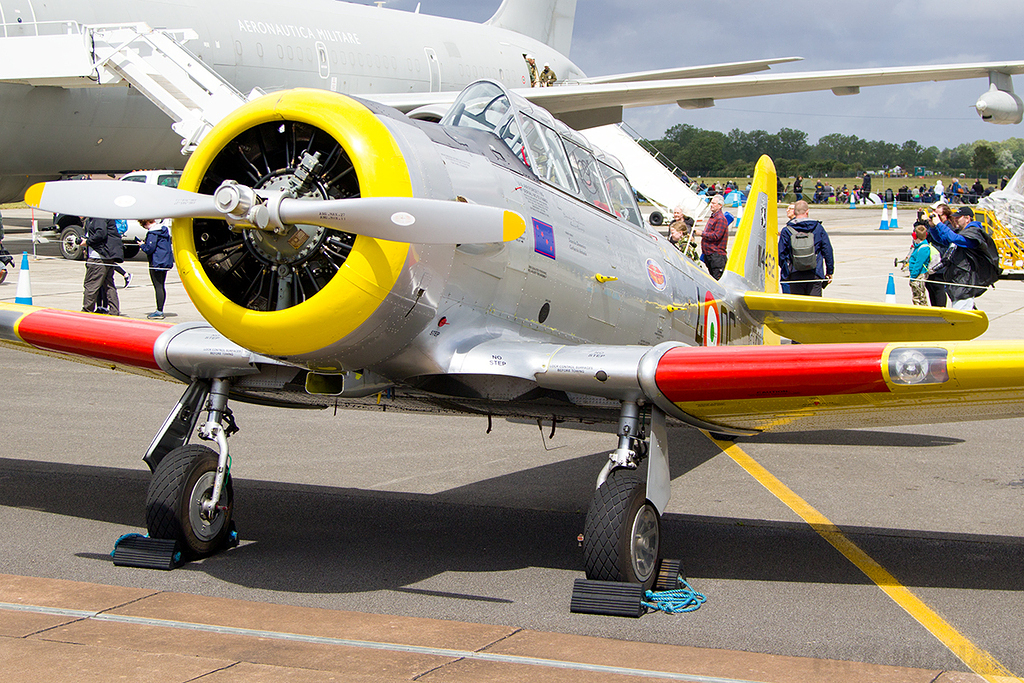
813 320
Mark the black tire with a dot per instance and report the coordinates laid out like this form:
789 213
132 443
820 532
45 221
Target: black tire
656 218
180 482
71 246
131 251
622 534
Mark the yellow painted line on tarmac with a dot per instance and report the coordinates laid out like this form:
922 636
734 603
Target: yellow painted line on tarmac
979 661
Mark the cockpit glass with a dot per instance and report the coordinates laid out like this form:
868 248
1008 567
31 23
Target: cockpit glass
549 159
483 106
621 194
588 176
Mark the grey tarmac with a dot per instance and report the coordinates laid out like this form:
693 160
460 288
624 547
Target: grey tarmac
464 542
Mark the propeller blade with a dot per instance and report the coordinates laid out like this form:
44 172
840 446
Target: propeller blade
399 219
408 219
118 199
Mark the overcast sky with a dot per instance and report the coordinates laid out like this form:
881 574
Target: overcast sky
613 36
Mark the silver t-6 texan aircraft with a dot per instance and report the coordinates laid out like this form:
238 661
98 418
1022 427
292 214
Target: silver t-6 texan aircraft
495 263
52 125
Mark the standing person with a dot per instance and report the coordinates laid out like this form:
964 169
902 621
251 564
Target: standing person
531 64
934 282
100 294
805 253
798 188
918 262
680 233
161 259
865 188
714 239
970 262
547 76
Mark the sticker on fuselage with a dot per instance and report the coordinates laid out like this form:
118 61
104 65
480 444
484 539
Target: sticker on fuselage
711 324
543 238
656 275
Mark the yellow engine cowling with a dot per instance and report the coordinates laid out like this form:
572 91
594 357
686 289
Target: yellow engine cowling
294 294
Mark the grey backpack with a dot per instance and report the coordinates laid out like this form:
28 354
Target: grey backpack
804 256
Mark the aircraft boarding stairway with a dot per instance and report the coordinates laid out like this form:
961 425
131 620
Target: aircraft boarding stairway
156 62
71 55
648 175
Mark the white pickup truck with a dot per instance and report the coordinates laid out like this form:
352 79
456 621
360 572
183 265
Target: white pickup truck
69 228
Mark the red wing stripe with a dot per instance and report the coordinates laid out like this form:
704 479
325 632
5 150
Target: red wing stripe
119 340
689 374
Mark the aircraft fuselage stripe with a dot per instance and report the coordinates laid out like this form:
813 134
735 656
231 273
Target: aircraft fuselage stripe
740 372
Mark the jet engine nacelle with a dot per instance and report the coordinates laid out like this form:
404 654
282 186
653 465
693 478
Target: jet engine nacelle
1000 106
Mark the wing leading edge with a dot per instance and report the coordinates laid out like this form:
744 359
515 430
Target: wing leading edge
600 102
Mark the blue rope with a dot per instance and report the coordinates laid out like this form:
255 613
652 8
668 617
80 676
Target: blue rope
121 538
676 601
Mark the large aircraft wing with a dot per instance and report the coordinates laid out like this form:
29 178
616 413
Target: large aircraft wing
700 71
601 101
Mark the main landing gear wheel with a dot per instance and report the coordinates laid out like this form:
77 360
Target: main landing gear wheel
622 534
180 484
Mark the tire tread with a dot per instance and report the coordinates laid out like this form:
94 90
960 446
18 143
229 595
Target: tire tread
604 527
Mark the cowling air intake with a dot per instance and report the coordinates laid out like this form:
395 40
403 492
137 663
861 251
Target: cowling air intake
295 290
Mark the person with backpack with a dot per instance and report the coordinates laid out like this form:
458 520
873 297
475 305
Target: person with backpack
805 253
970 259
104 249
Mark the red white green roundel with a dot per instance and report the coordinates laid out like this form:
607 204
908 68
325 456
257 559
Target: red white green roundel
656 275
710 321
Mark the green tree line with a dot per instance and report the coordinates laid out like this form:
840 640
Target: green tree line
704 153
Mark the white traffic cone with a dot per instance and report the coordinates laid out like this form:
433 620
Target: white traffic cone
893 222
24 293
885 217
890 291
853 200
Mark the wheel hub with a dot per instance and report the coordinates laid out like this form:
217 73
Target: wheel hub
644 543
204 528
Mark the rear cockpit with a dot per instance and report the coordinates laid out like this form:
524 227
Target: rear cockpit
556 154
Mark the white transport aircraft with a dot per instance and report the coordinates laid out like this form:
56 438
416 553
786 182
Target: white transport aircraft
51 125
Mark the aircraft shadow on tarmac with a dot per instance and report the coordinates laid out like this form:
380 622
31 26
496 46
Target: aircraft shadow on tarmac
320 539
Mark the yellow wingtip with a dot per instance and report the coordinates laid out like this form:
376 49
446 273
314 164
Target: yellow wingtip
513 226
34 195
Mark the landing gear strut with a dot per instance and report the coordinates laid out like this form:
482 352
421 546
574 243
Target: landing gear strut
622 534
190 497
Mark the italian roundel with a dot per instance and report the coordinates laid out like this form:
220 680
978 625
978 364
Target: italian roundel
656 275
710 320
